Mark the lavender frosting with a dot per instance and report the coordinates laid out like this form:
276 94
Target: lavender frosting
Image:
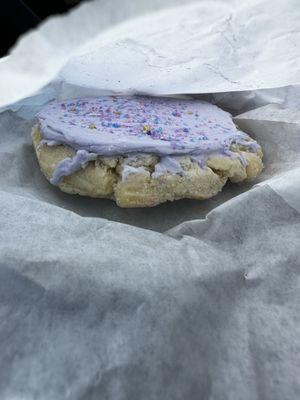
70 165
120 125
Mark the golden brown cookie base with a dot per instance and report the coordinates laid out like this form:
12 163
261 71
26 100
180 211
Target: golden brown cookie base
103 177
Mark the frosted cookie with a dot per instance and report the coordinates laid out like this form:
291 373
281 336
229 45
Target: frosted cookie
142 151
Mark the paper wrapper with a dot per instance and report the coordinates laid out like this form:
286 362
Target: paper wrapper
187 300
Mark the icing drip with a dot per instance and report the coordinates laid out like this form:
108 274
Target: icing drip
70 165
167 164
200 160
236 155
128 170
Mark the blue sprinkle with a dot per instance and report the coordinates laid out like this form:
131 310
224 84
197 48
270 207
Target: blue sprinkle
115 125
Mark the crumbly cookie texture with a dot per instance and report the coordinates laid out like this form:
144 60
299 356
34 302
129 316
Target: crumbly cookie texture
131 181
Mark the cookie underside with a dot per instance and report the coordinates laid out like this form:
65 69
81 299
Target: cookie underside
102 178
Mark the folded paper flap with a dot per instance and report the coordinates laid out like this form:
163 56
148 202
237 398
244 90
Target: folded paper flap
273 113
198 47
287 185
188 50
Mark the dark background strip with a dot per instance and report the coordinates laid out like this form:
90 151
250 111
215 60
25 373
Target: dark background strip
18 16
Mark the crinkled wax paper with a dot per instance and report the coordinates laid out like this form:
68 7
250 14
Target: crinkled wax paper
187 300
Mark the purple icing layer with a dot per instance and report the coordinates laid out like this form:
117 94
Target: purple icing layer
126 125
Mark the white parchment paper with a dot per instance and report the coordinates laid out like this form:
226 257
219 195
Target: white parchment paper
187 300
